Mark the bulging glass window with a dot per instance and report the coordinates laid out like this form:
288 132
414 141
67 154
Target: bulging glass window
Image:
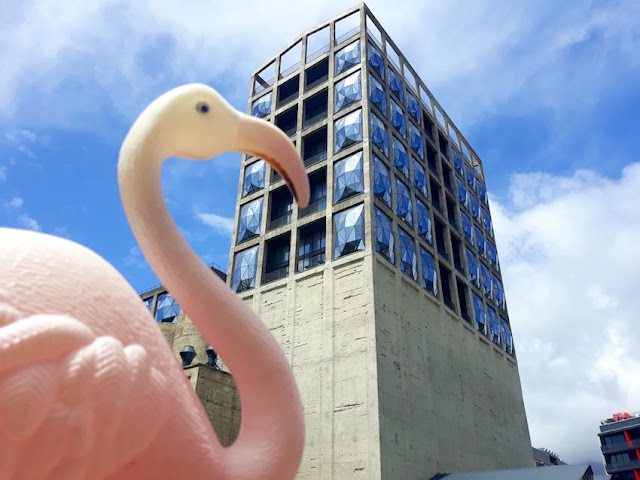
419 178
507 339
397 119
254 175
486 222
472 263
395 84
481 190
376 62
348 231
479 241
492 254
381 181
467 228
494 325
498 293
348 177
262 106
250 220
423 221
486 280
413 108
384 235
462 192
167 309
480 314
348 130
474 207
403 203
415 139
400 159
408 263
429 277
347 91
470 176
348 57
457 161
376 94
379 134
244 269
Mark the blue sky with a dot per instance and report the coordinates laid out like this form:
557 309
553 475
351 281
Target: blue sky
546 92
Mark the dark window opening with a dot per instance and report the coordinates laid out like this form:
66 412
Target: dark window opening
314 147
462 298
275 176
317 193
456 245
317 74
288 90
451 211
428 125
281 207
438 228
311 245
446 177
432 159
277 261
445 281
444 144
315 109
288 121
435 194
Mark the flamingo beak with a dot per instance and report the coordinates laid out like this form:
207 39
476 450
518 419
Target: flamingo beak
262 139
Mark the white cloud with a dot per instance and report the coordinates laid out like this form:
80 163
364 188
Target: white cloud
27 222
525 54
15 202
135 258
220 224
571 266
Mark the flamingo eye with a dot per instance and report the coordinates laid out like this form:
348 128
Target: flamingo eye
202 107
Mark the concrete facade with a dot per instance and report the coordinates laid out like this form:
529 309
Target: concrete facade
397 381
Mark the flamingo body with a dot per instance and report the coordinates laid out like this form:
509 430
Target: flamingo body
89 387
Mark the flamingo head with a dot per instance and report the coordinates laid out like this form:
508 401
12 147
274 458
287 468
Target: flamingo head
194 121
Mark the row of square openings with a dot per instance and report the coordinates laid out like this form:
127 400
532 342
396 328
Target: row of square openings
347 182
348 237
314 76
317 44
439 280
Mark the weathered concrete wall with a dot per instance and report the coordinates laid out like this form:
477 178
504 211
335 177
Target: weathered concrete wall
449 399
323 319
217 392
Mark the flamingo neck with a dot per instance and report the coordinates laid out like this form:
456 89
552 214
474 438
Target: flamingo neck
272 419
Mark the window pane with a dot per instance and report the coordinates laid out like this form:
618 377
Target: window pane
408 263
348 231
347 177
384 235
244 269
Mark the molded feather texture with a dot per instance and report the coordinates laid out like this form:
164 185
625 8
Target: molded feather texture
53 401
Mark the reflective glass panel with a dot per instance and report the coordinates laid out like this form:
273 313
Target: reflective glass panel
347 57
348 130
244 269
348 231
395 84
485 278
347 91
374 57
413 108
167 309
429 277
376 94
480 314
400 159
379 134
472 263
262 106
419 178
397 119
384 235
415 139
254 177
494 325
467 227
250 220
381 181
347 177
408 263
403 203
423 221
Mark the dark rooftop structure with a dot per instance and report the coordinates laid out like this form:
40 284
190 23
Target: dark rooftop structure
559 472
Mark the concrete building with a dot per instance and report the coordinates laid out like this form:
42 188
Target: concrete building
208 376
620 445
546 458
385 292
560 472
